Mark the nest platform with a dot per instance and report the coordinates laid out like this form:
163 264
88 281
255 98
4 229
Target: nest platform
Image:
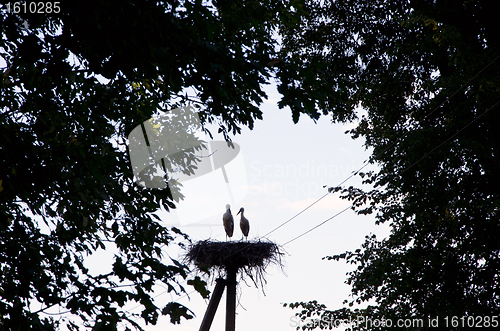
230 258
251 257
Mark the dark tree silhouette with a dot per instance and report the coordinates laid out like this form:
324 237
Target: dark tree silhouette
77 80
427 73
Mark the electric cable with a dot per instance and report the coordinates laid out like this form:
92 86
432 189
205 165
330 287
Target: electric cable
406 169
366 161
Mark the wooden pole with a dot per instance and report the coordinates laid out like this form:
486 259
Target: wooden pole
231 299
213 304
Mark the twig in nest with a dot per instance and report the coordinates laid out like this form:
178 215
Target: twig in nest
249 257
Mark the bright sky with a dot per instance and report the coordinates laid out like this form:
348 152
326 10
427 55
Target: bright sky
285 166
281 169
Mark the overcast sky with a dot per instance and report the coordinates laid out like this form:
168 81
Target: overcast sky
285 166
280 170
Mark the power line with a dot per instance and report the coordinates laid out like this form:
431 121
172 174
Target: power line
453 136
156 296
366 161
413 164
317 226
436 108
351 206
303 210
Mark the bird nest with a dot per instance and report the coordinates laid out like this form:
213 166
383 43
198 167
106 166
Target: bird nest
248 257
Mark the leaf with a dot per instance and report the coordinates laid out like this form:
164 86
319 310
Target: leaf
176 311
200 286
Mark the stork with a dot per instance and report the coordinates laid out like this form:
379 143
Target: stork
228 222
244 224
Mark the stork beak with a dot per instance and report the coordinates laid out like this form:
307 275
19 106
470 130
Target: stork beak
239 212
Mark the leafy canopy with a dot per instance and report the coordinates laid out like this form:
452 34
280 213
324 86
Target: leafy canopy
74 85
427 73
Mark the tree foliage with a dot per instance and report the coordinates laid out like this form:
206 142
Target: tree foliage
74 85
427 73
